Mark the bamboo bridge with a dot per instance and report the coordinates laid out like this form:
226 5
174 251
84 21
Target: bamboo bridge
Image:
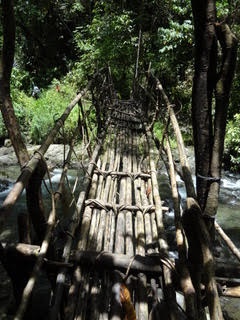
112 260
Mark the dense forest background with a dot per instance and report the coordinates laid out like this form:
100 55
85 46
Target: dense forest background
59 45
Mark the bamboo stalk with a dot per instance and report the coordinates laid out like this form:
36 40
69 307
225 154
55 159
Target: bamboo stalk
110 221
61 277
87 215
228 241
180 144
225 273
168 289
120 225
92 240
141 232
139 228
98 204
129 218
133 175
105 196
45 244
185 281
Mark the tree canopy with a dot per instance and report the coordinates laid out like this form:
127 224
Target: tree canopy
66 41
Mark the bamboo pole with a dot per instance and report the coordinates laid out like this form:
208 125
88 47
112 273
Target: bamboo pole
110 222
180 144
139 228
168 288
61 277
228 241
185 281
129 217
120 225
141 292
105 196
92 240
44 247
208 260
27 252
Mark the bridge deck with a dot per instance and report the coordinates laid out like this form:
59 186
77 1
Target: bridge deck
122 216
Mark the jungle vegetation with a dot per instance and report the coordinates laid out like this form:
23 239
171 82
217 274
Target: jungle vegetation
59 44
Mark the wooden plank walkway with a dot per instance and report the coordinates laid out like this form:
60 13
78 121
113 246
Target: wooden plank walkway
122 216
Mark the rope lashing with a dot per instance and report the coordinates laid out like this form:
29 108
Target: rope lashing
207 178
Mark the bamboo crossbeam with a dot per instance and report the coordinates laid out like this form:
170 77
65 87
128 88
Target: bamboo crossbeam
98 204
110 261
131 175
225 273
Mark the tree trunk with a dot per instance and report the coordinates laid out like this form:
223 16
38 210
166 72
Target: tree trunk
204 14
229 55
7 60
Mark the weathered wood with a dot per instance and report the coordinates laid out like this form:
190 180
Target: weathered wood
207 257
45 243
110 261
185 281
61 277
228 241
168 288
35 202
129 239
186 171
24 228
224 271
98 204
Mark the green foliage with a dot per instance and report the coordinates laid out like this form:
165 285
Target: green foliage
3 131
44 39
108 41
172 57
232 143
37 116
158 130
72 39
223 9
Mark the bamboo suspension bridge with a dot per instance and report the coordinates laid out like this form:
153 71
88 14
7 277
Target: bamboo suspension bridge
113 262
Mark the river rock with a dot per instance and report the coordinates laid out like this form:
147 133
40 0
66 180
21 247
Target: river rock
54 155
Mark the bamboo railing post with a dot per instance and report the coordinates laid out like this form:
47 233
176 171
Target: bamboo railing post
203 236
185 280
